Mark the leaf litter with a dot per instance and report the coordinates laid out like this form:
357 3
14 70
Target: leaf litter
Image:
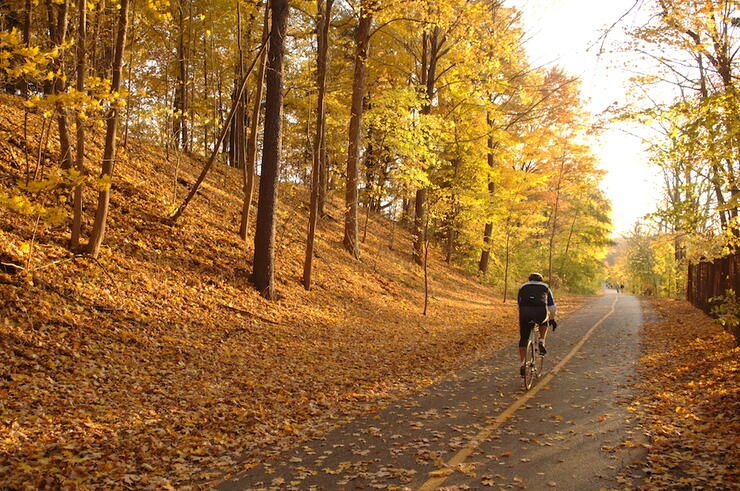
688 401
159 367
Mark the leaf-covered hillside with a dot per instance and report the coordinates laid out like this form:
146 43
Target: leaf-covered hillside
158 364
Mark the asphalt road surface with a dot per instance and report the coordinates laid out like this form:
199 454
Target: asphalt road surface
479 428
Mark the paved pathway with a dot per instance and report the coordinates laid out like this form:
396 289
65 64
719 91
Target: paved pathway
478 428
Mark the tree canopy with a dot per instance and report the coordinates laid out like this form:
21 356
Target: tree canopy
452 131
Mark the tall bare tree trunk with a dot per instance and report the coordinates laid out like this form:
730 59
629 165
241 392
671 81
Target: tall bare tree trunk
109 152
426 265
97 69
506 260
79 121
323 179
58 20
430 58
420 200
27 15
264 237
129 81
488 230
190 84
208 114
322 34
355 123
237 132
250 168
27 12
179 129
555 220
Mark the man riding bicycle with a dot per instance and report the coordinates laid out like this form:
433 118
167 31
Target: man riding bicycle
535 303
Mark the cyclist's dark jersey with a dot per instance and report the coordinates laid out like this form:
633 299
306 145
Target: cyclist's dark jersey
535 294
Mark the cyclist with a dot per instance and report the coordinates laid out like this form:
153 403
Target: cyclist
536 306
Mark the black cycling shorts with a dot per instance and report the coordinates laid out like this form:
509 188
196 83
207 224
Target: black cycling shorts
528 317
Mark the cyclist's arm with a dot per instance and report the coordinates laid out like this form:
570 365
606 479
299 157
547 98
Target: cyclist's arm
551 307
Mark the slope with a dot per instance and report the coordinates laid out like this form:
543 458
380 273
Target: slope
158 365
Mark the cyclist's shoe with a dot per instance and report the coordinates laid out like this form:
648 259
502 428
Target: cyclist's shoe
521 370
543 351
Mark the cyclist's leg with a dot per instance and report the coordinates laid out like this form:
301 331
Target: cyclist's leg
543 330
542 327
525 326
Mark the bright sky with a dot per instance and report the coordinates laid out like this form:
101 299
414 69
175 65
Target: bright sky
566 33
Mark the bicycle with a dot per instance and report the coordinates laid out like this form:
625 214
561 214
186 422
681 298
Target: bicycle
533 359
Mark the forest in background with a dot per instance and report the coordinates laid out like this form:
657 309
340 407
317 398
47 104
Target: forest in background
685 104
426 112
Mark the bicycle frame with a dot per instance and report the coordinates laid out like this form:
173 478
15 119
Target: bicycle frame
533 359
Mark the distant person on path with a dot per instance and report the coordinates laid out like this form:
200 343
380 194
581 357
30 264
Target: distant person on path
536 305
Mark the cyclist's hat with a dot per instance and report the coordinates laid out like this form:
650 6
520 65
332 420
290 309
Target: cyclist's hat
535 277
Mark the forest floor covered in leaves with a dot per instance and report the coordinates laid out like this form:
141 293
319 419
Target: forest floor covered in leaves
689 400
159 365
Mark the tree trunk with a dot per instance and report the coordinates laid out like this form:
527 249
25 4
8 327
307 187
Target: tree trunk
109 153
406 209
323 178
27 16
554 220
98 70
506 262
488 230
168 123
129 100
80 144
323 185
250 164
485 254
452 216
355 124
322 34
237 132
430 58
189 84
58 34
450 239
25 86
208 114
426 266
179 129
264 237
419 220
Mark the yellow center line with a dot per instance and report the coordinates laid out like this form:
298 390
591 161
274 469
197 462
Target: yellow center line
459 457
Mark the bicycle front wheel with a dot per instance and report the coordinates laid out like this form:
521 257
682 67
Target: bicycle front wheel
539 361
530 371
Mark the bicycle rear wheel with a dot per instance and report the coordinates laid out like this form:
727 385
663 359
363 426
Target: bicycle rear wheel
530 371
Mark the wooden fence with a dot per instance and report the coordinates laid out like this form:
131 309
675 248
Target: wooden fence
708 280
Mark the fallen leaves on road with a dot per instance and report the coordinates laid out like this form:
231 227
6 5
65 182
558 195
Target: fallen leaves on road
689 400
